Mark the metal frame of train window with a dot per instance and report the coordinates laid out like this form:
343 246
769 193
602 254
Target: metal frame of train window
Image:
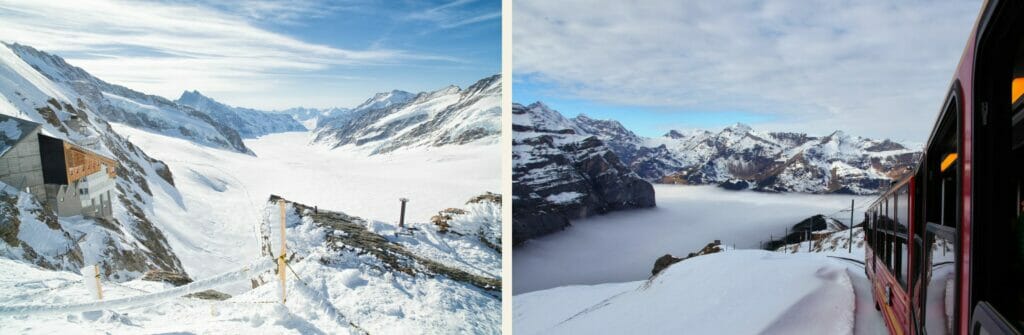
932 230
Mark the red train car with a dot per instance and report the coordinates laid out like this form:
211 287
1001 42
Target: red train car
945 245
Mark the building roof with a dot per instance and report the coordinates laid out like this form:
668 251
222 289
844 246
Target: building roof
13 130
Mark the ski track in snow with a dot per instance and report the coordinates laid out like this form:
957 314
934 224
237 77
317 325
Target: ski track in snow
622 246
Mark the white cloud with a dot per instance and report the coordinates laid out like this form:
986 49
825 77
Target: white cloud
453 14
874 68
165 48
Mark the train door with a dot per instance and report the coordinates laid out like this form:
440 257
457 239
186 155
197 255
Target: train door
997 247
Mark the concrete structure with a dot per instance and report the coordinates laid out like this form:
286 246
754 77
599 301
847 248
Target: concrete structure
20 164
66 178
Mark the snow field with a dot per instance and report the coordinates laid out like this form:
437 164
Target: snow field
711 294
223 192
26 284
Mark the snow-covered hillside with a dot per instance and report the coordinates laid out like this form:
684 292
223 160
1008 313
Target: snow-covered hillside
248 122
739 157
120 104
559 173
398 119
126 247
347 276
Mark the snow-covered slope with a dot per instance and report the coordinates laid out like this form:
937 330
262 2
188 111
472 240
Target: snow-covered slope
127 246
346 275
396 119
247 122
120 104
712 294
739 157
559 173
395 281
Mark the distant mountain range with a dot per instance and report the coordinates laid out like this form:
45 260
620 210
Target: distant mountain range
310 117
398 119
383 123
740 157
566 169
121 104
249 123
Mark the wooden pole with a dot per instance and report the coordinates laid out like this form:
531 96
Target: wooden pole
280 259
401 217
99 289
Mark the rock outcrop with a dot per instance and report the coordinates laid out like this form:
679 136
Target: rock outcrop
667 260
560 173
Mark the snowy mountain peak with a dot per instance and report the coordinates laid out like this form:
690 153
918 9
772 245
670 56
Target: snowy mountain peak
195 99
538 117
396 119
193 96
488 83
249 123
385 99
613 133
738 128
837 135
673 134
449 90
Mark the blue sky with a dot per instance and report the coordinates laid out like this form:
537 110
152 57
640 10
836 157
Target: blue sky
268 54
642 120
877 68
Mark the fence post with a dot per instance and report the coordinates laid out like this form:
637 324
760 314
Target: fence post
280 259
91 277
808 235
401 217
851 227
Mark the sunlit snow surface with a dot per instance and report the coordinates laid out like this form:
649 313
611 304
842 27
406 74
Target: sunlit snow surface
224 192
732 292
622 246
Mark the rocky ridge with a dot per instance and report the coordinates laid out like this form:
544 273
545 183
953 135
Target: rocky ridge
249 123
561 173
739 157
399 119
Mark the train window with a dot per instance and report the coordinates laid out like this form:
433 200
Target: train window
902 210
886 239
894 243
939 182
